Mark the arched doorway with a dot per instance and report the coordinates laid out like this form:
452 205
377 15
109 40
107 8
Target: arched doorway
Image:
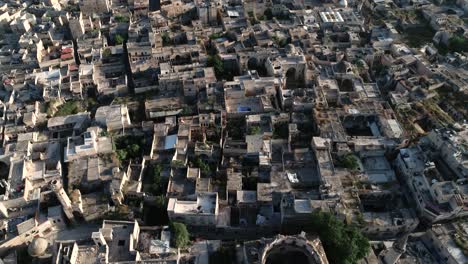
291 81
4 171
252 64
346 85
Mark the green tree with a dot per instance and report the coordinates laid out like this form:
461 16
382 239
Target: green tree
216 62
178 163
344 244
161 202
224 255
106 53
119 39
280 130
349 161
249 183
236 128
71 8
268 13
461 242
159 185
186 111
122 19
157 170
166 39
180 235
458 44
122 154
282 42
203 166
156 186
255 130
216 35
121 212
133 150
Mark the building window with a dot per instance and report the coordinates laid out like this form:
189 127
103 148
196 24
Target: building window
47 231
121 243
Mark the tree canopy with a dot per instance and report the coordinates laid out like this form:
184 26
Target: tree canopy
204 167
343 244
216 62
255 130
180 235
350 162
129 147
166 39
224 255
159 185
216 35
122 19
268 13
107 52
119 39
280 130
458 44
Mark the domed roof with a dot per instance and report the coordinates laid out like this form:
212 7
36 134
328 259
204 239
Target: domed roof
38 247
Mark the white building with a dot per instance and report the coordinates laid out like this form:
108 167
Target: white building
452 148
86 145
202 212
437 199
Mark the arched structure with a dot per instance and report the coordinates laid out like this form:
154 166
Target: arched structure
294 249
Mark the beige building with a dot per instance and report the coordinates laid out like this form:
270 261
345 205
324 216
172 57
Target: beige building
77 27
94 6
117 242
113 117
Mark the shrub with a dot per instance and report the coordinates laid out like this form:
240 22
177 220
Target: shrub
121 19
255 130
106 53
69 108
216 35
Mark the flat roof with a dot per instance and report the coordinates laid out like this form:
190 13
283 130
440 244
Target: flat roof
302 206
170 142
246 196
70 119
331 17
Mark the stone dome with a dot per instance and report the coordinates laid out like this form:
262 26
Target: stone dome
38 247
